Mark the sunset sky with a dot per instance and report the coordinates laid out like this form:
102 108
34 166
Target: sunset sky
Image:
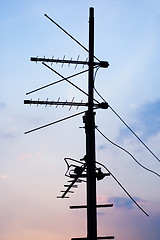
32 166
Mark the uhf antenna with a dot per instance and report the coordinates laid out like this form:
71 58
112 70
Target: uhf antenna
84 170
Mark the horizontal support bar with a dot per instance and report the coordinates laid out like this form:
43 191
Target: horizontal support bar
97 206
73 186
84 238
103 64
77 181
61 197
68 191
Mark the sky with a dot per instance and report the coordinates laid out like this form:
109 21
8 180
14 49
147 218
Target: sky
32 166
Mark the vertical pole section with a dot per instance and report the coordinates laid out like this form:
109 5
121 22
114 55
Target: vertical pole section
90 141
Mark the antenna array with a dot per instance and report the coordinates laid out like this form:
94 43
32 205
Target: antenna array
84 170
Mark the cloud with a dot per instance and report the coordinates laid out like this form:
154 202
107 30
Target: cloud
146 120
126 222
25 156
149 118
122 202
4 176
102 147
100 214
2 105
6 135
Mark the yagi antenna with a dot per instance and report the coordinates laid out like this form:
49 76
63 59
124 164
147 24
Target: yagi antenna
103 64
84 170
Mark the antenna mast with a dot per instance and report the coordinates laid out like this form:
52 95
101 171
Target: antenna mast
90 141
87 168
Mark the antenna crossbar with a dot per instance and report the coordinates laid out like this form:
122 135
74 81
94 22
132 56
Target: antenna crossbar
37 102
84 238
97 206
58 103
103 64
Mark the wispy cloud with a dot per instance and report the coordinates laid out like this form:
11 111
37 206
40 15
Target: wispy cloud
4 176
6 135
122 202
2 105
25 156
145 123
101 147
149 118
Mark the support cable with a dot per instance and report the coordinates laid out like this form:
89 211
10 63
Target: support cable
66 79
61 80
124 189
69 35
134 134
128 153
61 120
129 128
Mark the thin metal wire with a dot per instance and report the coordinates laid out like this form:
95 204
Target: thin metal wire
124 189
129 128
66 79
49 124
134 133
61 80
127 153
69 35
96 73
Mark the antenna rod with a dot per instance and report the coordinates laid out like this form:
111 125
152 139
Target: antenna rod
103 64
57 103
37 59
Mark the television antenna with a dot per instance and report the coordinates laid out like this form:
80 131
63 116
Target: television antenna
86 169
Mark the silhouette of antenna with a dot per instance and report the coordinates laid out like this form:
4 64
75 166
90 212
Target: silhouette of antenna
84 170
103 64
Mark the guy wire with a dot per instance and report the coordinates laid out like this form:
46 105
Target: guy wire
128 127
50 84
69 35
66 79
124 189
127 153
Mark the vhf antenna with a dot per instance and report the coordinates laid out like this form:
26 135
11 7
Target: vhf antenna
84 170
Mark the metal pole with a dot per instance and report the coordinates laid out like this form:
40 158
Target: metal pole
90 142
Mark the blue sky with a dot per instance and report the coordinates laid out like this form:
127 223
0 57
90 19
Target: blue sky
31 167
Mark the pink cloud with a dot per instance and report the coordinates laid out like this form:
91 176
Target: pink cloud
29 156
25 156
4 176
102 199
